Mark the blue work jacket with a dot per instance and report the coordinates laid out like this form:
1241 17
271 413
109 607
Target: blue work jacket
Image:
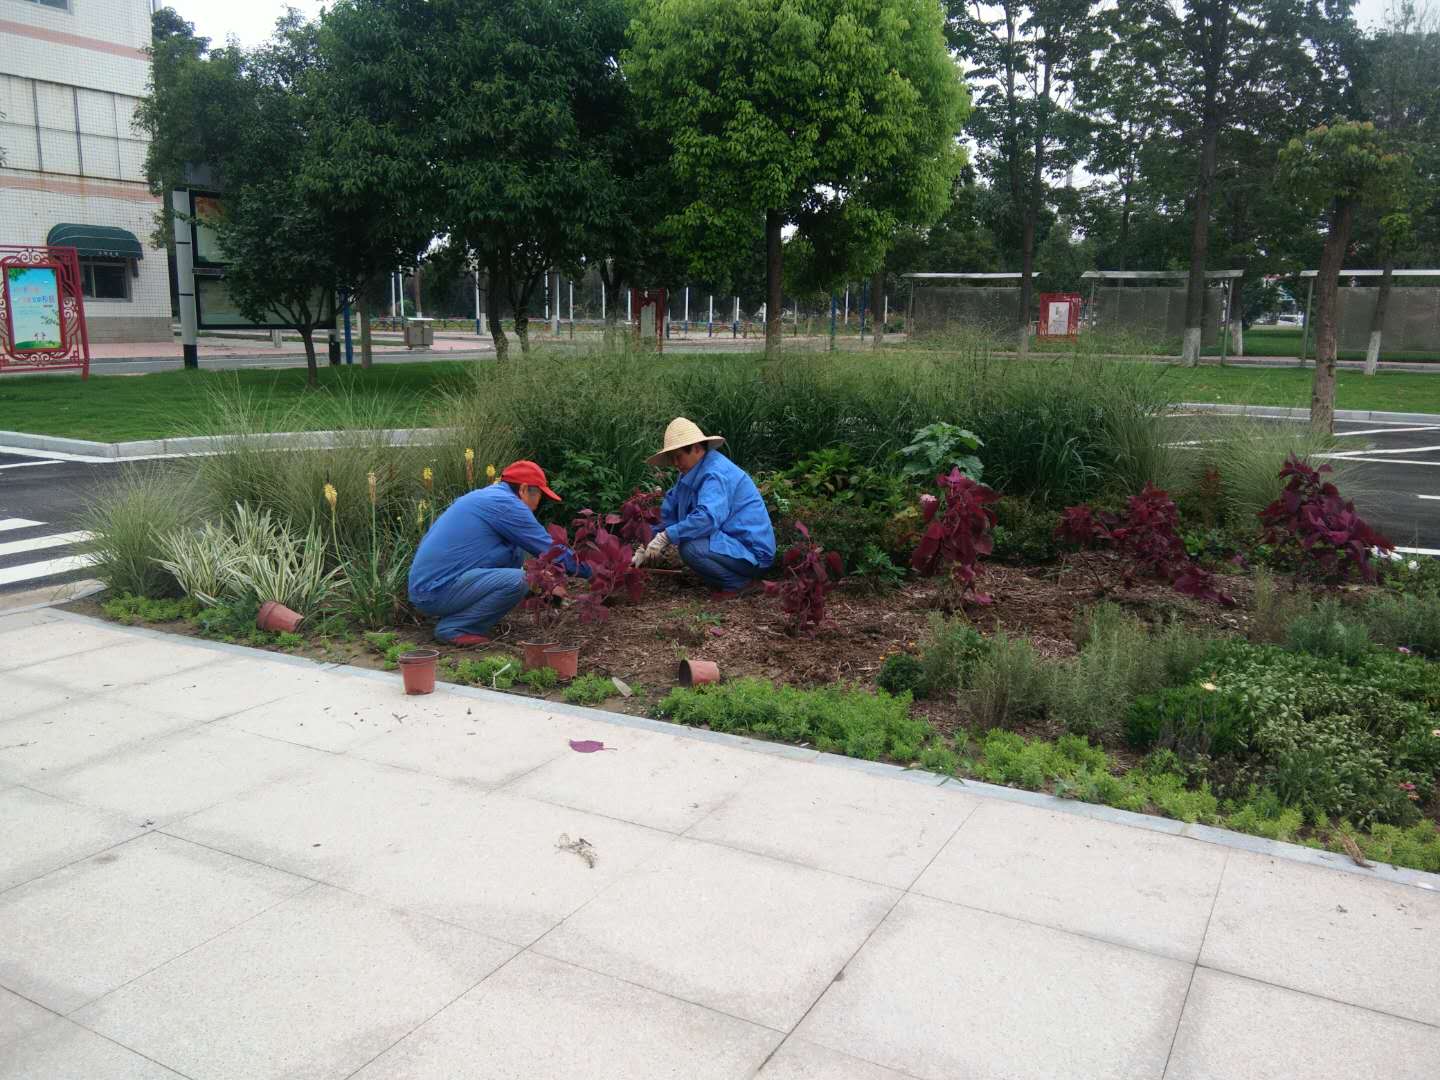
717 499
481 529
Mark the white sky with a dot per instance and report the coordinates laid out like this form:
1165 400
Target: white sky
252 20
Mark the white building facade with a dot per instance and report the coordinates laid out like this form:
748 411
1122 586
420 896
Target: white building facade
73 171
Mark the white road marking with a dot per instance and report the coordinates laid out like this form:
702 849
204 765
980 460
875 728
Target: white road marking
1401 450
29 571
7 524
1384 431
1419 551
1377 460
29 464
1437 497
56 455
16 547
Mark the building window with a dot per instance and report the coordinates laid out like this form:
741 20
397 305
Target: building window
63 5
105 279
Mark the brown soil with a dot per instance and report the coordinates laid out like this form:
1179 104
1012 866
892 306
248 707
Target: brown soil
644 643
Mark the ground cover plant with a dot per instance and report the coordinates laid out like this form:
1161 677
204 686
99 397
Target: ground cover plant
1304 709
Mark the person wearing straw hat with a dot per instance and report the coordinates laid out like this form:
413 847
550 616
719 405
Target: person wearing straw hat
714 515
468 569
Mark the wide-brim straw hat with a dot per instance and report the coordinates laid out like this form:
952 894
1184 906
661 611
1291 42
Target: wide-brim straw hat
682 433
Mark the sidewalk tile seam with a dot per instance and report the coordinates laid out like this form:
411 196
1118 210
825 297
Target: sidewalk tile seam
128 1049
1195 966
1320 997
1221 837
142 831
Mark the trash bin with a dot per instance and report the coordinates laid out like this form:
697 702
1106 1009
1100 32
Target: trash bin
419 333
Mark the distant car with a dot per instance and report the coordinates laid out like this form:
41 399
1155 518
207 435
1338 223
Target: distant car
1289 320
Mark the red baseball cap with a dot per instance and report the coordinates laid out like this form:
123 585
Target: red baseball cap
527 472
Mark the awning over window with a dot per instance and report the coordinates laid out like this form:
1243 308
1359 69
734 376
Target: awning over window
97 241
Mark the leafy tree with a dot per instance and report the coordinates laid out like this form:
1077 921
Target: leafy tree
838 117
1339 168
1028 55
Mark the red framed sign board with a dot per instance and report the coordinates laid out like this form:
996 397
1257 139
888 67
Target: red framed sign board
42 310
1059 315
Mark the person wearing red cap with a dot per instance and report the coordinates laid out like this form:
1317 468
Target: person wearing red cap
467 571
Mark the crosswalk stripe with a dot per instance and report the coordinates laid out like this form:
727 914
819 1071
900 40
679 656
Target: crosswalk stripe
28 571
7 524
15 547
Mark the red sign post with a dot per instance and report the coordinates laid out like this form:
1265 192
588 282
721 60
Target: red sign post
1059 315
42 310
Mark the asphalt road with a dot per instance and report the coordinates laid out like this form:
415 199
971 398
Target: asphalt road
43 499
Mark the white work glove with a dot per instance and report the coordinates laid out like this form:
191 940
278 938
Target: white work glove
651 551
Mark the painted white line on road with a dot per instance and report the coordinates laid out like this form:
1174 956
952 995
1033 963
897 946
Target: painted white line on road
1385 431
1376 460
1419 551
1401 450
49 568
29 464
1437 497
16 547
8 524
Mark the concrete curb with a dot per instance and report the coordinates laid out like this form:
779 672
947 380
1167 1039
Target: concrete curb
212 444
1275 412
1202 833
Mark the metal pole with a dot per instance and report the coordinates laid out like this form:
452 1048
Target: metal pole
710 322
478 328
602 300
1305 331
627 304
847 307
185 273
555 308
392 294
687 310
1229 314
735 324
572 300
1091 313
349 344
832 321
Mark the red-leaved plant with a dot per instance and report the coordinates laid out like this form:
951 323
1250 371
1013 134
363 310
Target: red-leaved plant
610 573
1321 532
810 572
957 533
1147 535
639 514
546 579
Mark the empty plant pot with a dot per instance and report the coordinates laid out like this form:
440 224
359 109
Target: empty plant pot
417 668
277 618
697 672
565 659
534 653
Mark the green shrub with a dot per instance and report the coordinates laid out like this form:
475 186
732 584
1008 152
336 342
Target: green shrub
1192 720
939 758
231 620
949 654
1008 758
1009 684
1409 621
902 673
287 640
875 570
1023 532
837 719
1274 610
1327 631
1264 813
1417 846
541 679
494 671
127 519
130 609
590 689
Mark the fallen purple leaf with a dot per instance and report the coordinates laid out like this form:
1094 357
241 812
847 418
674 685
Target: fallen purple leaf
586 746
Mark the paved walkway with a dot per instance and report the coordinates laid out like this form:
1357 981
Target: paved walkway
218 864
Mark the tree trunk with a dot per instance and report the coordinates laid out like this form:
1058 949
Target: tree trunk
1237 331
1212 64
1327 280
307 335
877 309
1124 240
1032 213
522 331
497 327
367 352
1377 320
774 298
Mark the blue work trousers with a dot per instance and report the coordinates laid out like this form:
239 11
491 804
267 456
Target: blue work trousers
718 571
476 600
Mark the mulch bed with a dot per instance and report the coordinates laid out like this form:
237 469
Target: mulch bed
644 643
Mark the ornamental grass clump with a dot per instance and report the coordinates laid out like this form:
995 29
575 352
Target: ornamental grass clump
128 520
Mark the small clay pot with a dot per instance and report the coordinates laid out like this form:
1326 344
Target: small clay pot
565 659
417 668
696 672
534 653
278 619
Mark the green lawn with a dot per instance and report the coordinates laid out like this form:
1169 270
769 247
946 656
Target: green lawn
1285 341
115 408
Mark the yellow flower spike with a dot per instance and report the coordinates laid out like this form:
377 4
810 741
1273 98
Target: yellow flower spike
490 472
420 509
370 479
331 495
427 477
469 467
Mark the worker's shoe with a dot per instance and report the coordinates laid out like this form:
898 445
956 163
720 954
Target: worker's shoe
721 595
467 640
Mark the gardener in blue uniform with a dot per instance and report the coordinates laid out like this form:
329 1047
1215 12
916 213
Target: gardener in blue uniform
467 571
714 514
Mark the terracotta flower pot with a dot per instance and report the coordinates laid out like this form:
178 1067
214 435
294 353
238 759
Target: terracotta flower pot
565 659
417 667
534 653
696 672
278 619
